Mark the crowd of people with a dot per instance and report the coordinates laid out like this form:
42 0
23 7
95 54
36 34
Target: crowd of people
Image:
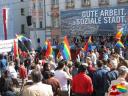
102 71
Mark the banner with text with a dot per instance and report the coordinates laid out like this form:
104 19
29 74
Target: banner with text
93 20
6 45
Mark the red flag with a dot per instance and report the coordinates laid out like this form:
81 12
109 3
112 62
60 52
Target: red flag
4 12
49 49
15 49
85 47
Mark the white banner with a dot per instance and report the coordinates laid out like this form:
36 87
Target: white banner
6 45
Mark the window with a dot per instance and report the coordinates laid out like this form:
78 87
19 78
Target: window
34 24
69 3
55 2
103 2
22 28
41 24
40 5
86 2
22 11
122 1
34 6
55 22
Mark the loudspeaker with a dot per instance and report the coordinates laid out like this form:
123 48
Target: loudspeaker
29 20
38 40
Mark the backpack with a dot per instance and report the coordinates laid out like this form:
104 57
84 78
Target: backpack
108 80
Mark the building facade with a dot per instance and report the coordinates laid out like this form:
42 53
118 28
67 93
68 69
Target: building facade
46 14
16 23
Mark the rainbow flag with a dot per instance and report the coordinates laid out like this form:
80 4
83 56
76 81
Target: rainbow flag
49 50
65 49
119 34
24 43
45 44
119 44
121 88
118 89
22 38
88 44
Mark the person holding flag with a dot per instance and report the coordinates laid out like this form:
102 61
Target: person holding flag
49 54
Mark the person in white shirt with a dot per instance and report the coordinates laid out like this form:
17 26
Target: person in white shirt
12 71
93 58
38 88
51 62
63 78
97 53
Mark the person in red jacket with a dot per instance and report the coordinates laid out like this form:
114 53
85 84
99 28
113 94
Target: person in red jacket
81 83
22 72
